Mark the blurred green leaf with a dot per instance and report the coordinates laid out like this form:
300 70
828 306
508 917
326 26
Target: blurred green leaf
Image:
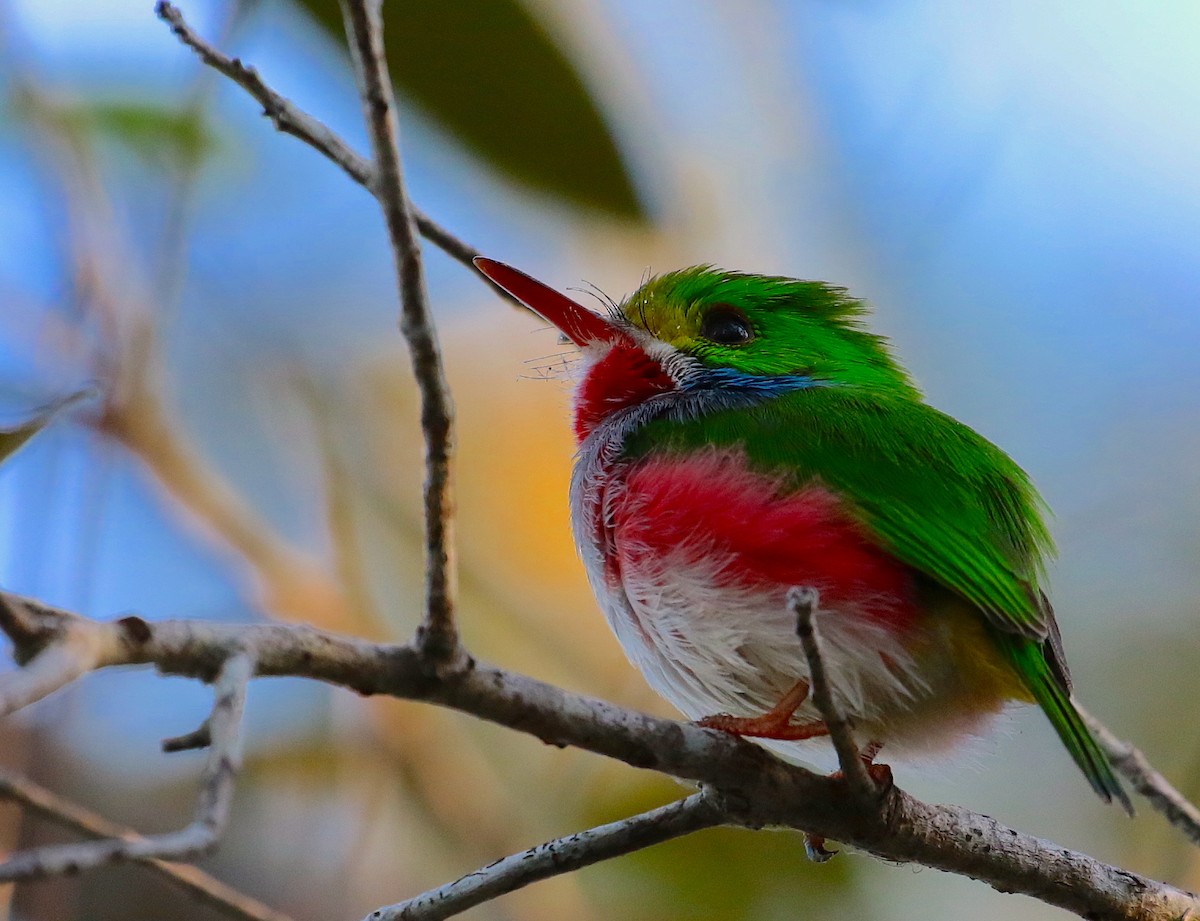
157 133
162 134
12 439
488 73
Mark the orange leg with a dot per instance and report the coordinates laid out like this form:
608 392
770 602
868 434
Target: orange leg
880 773
776 723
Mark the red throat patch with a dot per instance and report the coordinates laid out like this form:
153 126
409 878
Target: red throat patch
624 377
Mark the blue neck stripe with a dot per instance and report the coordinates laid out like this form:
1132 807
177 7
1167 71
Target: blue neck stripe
732 380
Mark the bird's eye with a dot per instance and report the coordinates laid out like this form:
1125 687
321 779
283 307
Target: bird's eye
726 325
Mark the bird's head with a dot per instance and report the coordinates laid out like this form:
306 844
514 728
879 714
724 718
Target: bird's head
705 329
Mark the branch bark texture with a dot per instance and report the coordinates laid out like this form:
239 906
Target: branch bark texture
749 786
216 795
562 855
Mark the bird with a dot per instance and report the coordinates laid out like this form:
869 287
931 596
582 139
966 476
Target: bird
744 436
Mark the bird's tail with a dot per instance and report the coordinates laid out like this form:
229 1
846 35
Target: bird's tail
1047 688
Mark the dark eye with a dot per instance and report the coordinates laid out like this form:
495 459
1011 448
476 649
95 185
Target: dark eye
726 325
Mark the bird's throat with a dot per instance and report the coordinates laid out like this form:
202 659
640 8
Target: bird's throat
625 376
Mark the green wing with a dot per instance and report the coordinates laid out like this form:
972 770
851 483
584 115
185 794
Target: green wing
939 496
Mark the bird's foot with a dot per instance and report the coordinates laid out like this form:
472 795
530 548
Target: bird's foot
776 723
764 727
814 847
880 773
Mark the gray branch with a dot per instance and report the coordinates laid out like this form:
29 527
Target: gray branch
289 118
1147 781
200 737
216 793
553 858
804 602
52 660
753 788
205 888
364 28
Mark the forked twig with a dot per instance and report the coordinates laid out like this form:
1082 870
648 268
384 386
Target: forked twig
69 654
289 118
753 788
204 887
212 809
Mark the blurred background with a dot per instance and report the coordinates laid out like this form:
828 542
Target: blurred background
1012 185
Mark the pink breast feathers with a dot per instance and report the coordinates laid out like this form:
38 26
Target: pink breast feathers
770 537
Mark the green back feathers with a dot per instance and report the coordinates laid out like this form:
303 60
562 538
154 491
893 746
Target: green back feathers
938 495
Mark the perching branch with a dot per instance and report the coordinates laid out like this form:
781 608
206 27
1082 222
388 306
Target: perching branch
76 645
562 855
205 888
751 788
364 29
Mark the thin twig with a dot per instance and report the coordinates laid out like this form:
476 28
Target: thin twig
289 118
438 635
200 737
553 858
212 809
71 815
1142 777
804 603
284 114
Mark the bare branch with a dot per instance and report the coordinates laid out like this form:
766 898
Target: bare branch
212 810
754 788
438 635
284 114
553 858
1142 777
75 652
205 888
224 752
30 625
804 602
289 118
200 737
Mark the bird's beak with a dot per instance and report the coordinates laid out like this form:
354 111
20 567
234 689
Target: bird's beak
577 323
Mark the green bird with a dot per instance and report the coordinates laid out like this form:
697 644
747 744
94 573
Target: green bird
742 435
